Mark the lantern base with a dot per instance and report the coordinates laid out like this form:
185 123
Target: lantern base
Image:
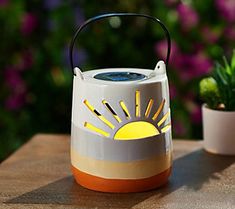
120 185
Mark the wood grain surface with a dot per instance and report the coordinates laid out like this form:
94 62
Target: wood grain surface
38 176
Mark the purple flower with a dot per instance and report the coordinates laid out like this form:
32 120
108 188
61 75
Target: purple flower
188 17
52 4
160 49
226 9
15 101
4 3
25 60
173 91
179 128
229 33
193 65
196 114
210 35
17 89
29 23
14 80
188 65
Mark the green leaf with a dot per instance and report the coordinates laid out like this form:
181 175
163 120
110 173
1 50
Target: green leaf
227 67
220 73
233 62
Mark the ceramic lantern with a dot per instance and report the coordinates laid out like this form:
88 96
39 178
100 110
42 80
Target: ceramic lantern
121 127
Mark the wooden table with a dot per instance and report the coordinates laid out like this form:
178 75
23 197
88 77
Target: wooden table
38 176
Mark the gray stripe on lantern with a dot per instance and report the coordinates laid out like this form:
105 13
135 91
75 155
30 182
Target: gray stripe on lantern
102 148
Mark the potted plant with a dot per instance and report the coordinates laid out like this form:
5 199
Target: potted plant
218 92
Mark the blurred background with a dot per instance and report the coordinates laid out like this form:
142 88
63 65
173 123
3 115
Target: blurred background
36 79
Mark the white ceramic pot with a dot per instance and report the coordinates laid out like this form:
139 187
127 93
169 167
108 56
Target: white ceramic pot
219 131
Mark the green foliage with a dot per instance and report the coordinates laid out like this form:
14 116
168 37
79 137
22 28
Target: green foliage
225 78
219 90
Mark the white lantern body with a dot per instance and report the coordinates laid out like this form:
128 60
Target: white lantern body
121 128
96 152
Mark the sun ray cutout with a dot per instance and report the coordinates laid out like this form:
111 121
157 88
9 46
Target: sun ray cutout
137 104
102 118
134 129
166 128
160 108
125 110
110 109
163 118
95 129
149 108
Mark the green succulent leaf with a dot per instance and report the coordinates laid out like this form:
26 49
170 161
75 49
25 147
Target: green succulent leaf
220 88
233 62
220 74
225 80
228 69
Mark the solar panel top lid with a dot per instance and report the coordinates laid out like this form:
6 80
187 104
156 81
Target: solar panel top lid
121 126
119 76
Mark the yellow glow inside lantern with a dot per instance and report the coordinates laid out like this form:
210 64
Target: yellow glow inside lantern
136 130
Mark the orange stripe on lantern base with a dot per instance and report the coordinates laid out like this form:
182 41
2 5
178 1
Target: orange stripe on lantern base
120 185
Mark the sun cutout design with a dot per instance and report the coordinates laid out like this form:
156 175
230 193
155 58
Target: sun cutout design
135 129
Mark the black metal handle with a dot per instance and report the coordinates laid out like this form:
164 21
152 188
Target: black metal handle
93 19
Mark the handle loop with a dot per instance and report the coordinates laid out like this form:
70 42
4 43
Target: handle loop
103 16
